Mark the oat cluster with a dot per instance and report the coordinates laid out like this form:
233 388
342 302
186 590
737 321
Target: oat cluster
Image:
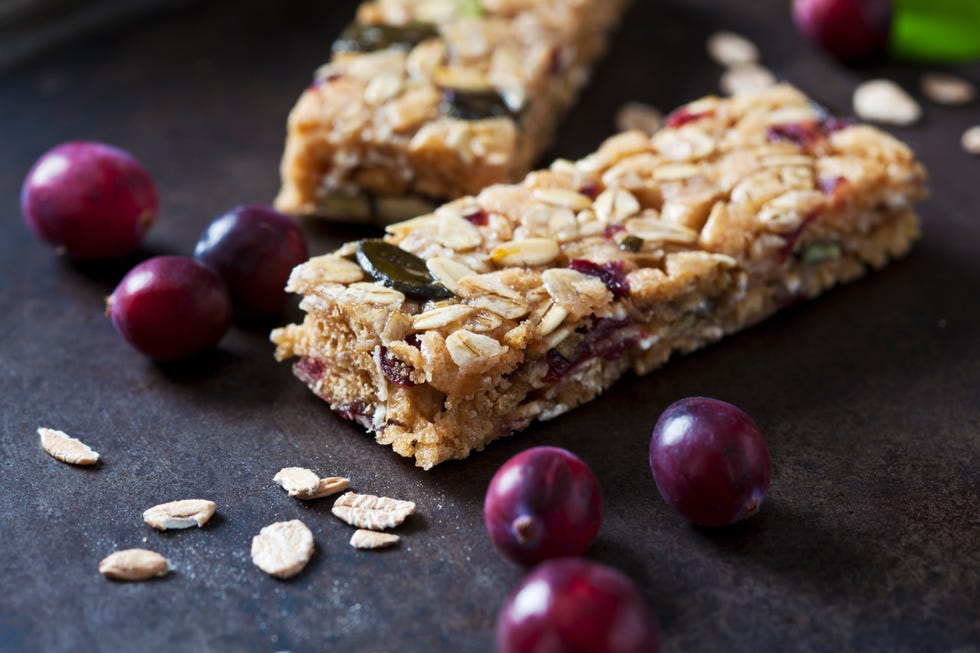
464 99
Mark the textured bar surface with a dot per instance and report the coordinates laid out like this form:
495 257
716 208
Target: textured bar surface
434 99
562 283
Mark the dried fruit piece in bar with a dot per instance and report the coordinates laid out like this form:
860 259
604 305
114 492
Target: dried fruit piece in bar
650 246
426 101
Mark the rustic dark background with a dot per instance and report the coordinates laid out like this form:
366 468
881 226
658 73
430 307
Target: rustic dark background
868 397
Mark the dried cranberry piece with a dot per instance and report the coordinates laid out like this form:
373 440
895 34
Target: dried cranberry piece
832 185
590 190
356 411
309 369
611 273
806 132
395 369
600 341
414 340
682 116
558 366
478 217
611 230
793 237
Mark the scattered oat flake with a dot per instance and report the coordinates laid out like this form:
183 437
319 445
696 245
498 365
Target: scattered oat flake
943 88
66 448
971 140
882 100
731 49
298 481
372 512
282 549
746 78
179 514
134 564
328 487
636 115
365 539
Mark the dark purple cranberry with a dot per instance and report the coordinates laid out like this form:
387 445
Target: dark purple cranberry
832 185
253 249
91 199
847 29
600 338
542 503
804 133
170 307
574 605
710 461
395 369
414 340
793 237
610 230
590 190
682 117
611 273
479 217
309 370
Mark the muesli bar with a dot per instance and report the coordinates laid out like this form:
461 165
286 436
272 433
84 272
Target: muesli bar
427 100
520 303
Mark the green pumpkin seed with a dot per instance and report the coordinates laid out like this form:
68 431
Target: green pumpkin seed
398 269
371 38
474 104
631 244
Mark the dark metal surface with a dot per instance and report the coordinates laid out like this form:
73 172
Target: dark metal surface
869 396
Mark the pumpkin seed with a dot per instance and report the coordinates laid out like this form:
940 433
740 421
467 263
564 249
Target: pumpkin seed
399 269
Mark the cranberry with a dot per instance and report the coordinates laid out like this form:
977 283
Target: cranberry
807 132
542 503
479 217
170 307
605 337
710 461
91 199
847 29
590 190
395 369
682 116
309 370
611 273
253 249
573 605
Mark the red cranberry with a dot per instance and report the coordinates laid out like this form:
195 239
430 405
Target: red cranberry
682 117
170 307
847 29
542 503
253 249
710 461
573 605
611 273
479 217
91 199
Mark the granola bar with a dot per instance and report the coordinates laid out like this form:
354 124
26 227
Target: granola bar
434 99
527 300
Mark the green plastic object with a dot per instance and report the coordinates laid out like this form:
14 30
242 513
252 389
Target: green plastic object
936 30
